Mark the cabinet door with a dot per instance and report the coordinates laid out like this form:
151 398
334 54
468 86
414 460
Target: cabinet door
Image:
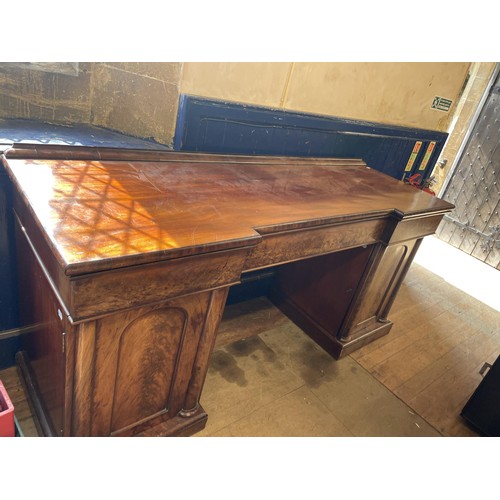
43 356
379 291
137 369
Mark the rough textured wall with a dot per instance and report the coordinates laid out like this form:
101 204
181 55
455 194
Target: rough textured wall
141 99
251 83
138 99
392 93
480 74
51 97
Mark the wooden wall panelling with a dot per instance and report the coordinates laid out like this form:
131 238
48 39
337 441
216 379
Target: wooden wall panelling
211 125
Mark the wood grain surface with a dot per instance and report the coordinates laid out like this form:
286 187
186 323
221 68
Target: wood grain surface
98 214
137 251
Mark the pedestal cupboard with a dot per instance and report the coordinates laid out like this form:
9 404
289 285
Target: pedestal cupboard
126 257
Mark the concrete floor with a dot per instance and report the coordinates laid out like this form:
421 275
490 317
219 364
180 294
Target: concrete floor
280 383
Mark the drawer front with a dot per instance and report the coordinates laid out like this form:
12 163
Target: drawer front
289 246
99 294
415 228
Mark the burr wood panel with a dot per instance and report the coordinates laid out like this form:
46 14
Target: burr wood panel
146 365
100 293
288 246
140 366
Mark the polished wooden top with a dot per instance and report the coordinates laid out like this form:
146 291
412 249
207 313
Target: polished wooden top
119 212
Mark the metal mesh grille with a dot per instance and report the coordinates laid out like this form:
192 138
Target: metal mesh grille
474 189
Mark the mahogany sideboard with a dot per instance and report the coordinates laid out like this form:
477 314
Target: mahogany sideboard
126 257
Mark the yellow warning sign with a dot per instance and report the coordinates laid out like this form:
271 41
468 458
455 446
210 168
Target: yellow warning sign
427 156
413 156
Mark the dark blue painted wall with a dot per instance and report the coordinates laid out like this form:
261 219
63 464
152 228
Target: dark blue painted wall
228 127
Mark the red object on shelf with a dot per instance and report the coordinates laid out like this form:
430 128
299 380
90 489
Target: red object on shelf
414 180
7 428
